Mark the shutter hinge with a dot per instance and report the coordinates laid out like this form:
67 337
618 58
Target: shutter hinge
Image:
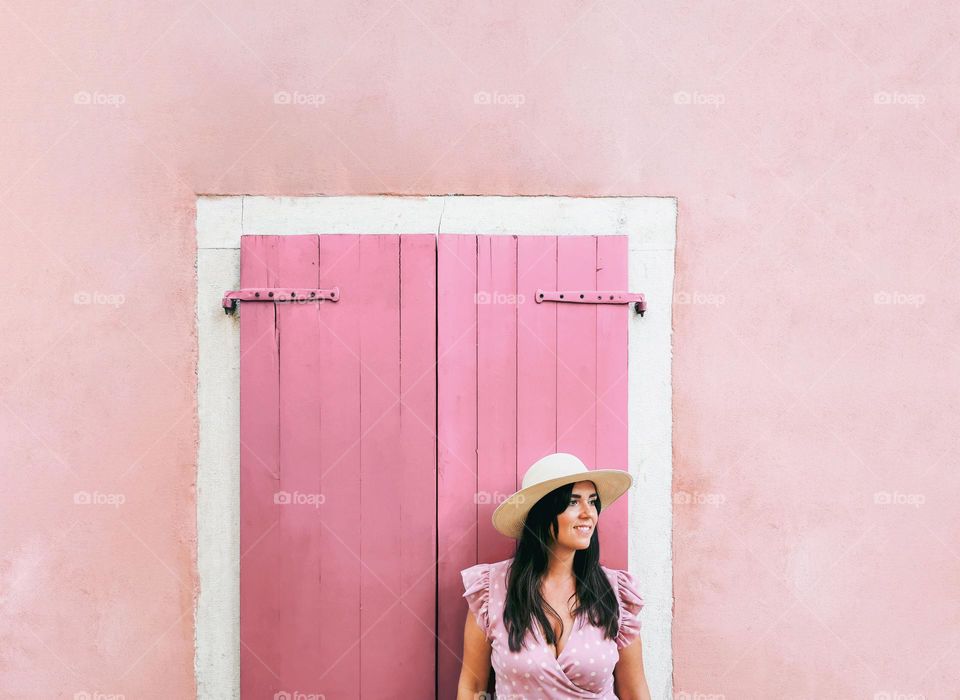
285 294
593 296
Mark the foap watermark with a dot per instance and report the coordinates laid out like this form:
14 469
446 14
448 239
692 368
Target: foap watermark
497 298
897 695
296 498
296 98
499 98
697 498
297 695
99 99
700 99
98 298
895 498
699 298
487 497
95 498
908 99
898 299
97 695
697 695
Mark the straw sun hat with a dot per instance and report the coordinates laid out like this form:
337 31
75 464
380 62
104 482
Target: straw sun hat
551 472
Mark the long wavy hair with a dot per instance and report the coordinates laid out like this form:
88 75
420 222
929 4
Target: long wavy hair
525 604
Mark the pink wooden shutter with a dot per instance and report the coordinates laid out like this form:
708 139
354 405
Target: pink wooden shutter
340 400
517 380
338 468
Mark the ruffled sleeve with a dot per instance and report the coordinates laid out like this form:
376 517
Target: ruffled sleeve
476 585
630 605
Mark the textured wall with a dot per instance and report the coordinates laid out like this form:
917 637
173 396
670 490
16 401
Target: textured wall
813 150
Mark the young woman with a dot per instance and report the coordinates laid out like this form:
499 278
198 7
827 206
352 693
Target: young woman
551 621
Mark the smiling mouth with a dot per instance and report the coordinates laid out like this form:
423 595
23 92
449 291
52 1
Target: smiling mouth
583 529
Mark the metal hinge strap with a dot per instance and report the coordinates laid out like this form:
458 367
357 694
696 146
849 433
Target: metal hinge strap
593 296
285 294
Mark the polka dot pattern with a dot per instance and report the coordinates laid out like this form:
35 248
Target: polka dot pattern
585 666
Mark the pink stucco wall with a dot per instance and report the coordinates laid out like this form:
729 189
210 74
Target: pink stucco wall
801 391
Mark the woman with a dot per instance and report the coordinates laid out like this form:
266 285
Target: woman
551 621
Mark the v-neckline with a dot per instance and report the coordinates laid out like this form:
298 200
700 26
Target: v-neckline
577 624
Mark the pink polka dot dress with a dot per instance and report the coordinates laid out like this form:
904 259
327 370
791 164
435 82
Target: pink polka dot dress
584 668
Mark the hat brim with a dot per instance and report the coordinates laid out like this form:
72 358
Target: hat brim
511 515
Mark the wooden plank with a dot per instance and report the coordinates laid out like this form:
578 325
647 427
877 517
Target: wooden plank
338 673
413 643
496 388
457 445
260 586
301 510
577 352
611 413
380 513
536 352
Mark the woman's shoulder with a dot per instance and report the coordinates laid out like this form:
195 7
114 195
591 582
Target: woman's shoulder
615 574
630 602
624 583
491 574
485 587
498 573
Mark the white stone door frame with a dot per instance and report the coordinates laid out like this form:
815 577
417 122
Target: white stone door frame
649 222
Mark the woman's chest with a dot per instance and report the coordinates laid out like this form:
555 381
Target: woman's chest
586 661
560 605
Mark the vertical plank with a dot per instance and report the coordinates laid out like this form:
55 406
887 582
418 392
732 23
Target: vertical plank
338 673
413 642
301 510
611 414
260 587
381 527
577 352
536 352
496 387
457 445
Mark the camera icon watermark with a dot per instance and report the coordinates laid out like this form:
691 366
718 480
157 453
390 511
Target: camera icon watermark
898 299
497 298
491 497
297 498
699 99
483 97
95 498
697 498
699 298
909 99
895 498
106 99
301 99
83 298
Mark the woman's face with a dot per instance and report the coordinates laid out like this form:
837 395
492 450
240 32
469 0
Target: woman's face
577 523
